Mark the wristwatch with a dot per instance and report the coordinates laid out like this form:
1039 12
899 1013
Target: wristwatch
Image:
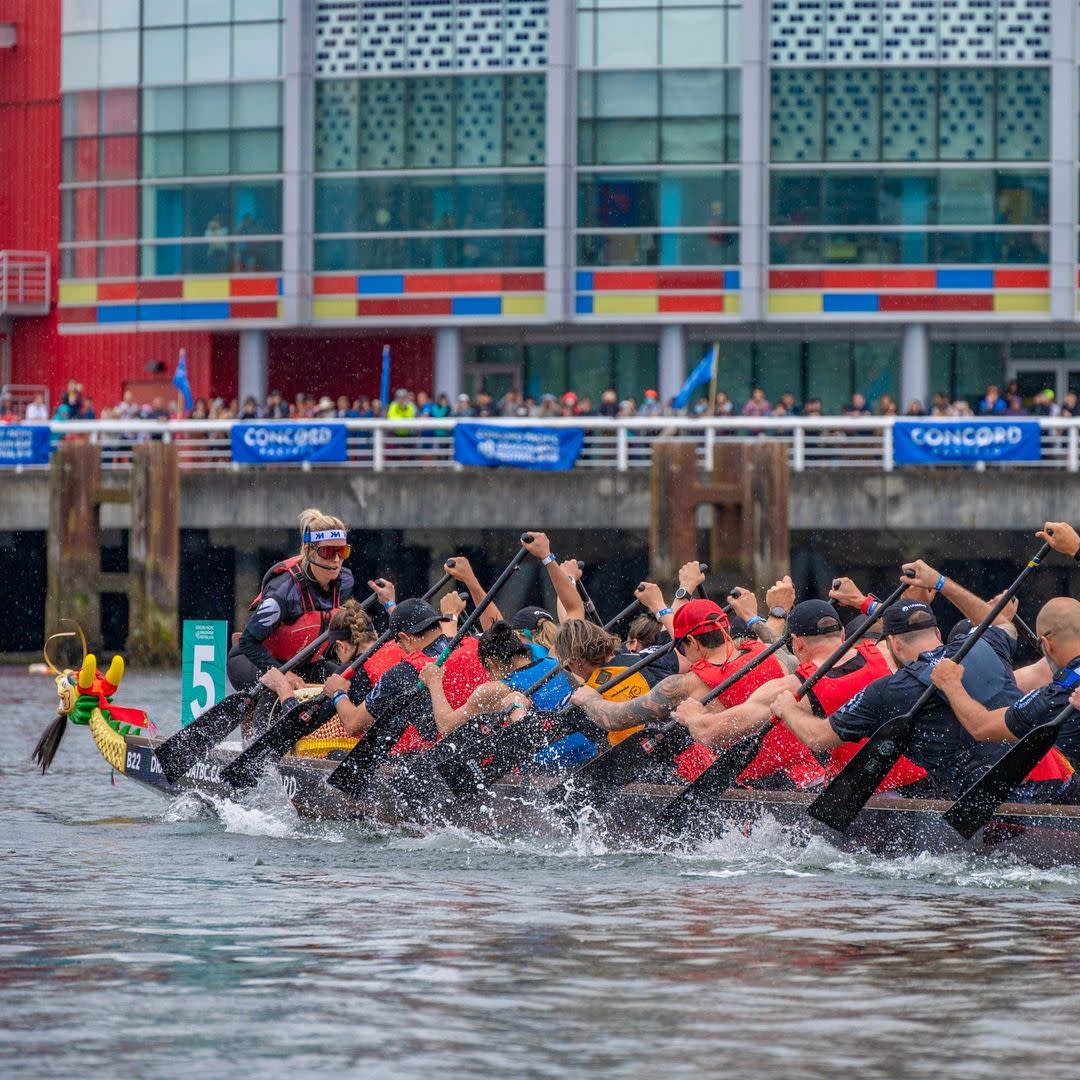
778 612
681 593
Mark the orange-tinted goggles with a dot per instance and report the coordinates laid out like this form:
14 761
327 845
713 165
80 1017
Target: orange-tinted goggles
329 552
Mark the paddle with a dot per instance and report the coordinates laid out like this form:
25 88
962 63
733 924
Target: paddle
190 744
493 759
300 720
354 773
1029 635
841 801
725 770
590 608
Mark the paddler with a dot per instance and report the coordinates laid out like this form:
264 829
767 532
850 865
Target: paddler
298 598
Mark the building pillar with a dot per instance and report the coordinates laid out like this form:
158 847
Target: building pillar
915 366
1063 153
561 155
449 362
254 373
754 162
298 158
672 368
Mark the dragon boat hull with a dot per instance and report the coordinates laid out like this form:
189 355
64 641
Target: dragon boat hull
1042 835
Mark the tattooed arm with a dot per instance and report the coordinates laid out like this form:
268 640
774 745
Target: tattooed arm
651 708
722 728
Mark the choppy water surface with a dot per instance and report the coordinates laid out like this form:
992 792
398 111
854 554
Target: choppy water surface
147 940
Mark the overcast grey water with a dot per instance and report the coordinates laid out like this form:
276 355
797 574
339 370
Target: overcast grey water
147 939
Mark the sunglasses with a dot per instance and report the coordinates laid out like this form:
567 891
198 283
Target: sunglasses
329 552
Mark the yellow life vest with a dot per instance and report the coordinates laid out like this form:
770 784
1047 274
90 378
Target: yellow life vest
627 690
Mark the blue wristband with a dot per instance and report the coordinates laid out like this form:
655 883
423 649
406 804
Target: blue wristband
665 611
940 584
337 697
549 558
754 619
390 604
871 608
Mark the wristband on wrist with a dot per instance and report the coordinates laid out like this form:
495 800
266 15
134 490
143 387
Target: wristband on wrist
870 601
872 608
754 619
940 584
390 604
665 611
337 697
549 558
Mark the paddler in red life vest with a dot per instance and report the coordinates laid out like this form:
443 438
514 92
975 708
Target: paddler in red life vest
713 657
296 603
816 632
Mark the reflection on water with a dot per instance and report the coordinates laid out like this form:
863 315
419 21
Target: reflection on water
145 940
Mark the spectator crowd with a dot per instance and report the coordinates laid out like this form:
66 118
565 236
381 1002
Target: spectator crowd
407 404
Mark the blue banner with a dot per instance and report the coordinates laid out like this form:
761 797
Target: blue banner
944 442
267 444
517 447
24 444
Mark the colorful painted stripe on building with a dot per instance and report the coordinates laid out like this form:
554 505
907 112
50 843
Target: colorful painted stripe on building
449 294
656 292
929 290
113 305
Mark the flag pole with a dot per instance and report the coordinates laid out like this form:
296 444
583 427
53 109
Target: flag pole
712 380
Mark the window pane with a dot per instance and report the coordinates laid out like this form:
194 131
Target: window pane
851 198
794 248
478 103
852 115
691 37
796 199
626 141
163 57
256 51
337 206
876 369
163 13
254 10
256 105
692 93
162 211
80 15
797 115
828 374
1023 198
524 203
636 364
699 199
80 61
120 15
120 158
257 208
966 107
120 218
479 203
337 122
908 200
627 93
617 202
207 108
586 39
207 154
382 123
779 368
120 58
692 140
208 210
966 197
626 39
120 111
256 152
208 56
545 370
208 11
163 110
163 155
430 127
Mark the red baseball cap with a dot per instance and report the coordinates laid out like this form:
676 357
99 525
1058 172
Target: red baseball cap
699 617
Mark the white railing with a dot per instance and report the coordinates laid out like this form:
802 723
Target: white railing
25 283
622 445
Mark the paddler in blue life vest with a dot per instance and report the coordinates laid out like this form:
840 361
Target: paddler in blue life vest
298 598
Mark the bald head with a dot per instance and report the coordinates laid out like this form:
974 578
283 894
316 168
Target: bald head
1059 623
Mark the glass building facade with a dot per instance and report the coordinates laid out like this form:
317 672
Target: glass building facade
875 195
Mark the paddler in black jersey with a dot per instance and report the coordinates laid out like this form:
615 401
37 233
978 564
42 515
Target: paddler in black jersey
297 600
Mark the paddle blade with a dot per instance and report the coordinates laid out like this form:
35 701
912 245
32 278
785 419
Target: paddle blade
49 743
356 770
699 795
599 780
191 744
977 805
299 721
839 804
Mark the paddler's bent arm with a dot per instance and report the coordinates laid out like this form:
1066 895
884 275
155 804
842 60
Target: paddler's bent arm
986 725
813 731
721 728
651 708
354 718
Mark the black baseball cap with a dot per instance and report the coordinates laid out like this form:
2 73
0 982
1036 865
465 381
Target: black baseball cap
529 618
813 618
856 625
413 617
906 617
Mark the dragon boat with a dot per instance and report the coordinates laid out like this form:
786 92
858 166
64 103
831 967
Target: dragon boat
516 806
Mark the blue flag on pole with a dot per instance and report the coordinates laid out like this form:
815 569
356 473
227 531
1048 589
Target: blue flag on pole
180 380
384 388
699 377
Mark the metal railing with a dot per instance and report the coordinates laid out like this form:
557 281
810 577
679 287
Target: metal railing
620 444
25 283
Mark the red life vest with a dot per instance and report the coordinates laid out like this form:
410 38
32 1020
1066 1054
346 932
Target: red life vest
830 694
780 750
287 639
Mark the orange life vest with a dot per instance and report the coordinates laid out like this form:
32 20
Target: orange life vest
287 639
780 750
